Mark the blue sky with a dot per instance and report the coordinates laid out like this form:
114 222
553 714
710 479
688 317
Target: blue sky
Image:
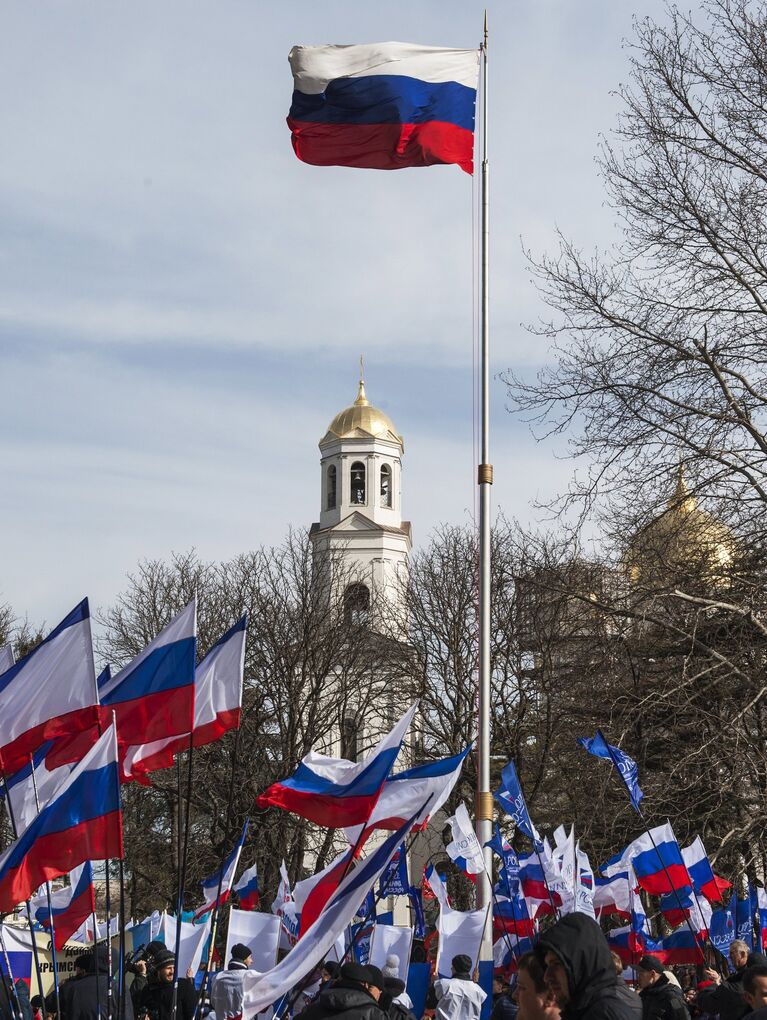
183 303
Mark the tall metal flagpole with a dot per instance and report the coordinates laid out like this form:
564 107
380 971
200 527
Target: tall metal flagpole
484 802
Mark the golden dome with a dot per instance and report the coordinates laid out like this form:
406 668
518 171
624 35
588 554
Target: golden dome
363 418
680 537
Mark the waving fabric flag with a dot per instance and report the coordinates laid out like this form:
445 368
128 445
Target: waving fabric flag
247 890
613 895
383 106
438 886
626 766
261 990
217 705
83 822
682 946
6 657
657 861
428 785
761 900
51 692
509 795
216 889
465 847
334 792
704 880
509 873
70 906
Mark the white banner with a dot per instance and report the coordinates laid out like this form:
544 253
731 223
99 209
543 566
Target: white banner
459 932
259 932
192 943
391 940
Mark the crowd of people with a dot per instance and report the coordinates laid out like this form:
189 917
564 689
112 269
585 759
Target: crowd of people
572 974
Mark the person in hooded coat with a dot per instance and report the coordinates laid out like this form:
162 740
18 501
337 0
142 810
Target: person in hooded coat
580 971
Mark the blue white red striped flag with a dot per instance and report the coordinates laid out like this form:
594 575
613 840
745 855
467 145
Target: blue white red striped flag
216 888
383 106
335 792
656 859
70 906
247 889
217 705
261 990
82 822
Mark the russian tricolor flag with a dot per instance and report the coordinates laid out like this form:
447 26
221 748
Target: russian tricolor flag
70 906
383 106
613 895
247 889
682 946
51 692
82 822
657 861
334 792
217 705
704 880
216 889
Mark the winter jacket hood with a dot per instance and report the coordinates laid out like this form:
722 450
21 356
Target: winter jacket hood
346 1000
580 944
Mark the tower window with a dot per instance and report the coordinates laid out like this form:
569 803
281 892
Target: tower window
357 605
331 487
358 483
385 485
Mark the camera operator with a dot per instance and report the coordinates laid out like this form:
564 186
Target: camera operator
155 1001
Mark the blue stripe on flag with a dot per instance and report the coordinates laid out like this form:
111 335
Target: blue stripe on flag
164 669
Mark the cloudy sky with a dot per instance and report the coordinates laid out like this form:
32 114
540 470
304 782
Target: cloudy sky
183 303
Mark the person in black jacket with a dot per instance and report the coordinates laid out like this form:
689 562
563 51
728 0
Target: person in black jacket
90 995
353 995
579 970
504 1007
726 997
661 1000
156 1000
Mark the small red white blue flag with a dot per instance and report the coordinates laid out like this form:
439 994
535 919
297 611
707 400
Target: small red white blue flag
383 106
247 889
216 889
70 906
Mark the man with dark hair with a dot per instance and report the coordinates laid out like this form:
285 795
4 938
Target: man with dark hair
353 995
661 1000
727 997
156 1000
755 991
580 972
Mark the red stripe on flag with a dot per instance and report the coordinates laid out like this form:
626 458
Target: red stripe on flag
382 146
333 812
56 853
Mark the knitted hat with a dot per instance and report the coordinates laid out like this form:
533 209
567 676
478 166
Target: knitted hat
163 958
240 952
461 964
391 967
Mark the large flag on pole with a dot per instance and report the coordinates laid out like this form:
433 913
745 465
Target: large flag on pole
383 106
83 822
702 874
657 861
429 784
216 889
261 990
51 692
217 705
335 792
152 697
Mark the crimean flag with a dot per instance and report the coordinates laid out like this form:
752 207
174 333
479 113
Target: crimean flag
383 106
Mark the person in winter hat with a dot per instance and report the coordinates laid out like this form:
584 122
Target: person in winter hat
579 970
240 957
727 997
661 1000
458 997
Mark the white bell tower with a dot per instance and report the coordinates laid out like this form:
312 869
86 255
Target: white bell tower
361 526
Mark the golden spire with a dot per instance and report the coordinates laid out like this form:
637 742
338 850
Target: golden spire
362 400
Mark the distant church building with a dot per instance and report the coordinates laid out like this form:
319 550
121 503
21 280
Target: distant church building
361 533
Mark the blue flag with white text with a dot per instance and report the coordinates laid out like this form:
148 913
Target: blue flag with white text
509 795
626 766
